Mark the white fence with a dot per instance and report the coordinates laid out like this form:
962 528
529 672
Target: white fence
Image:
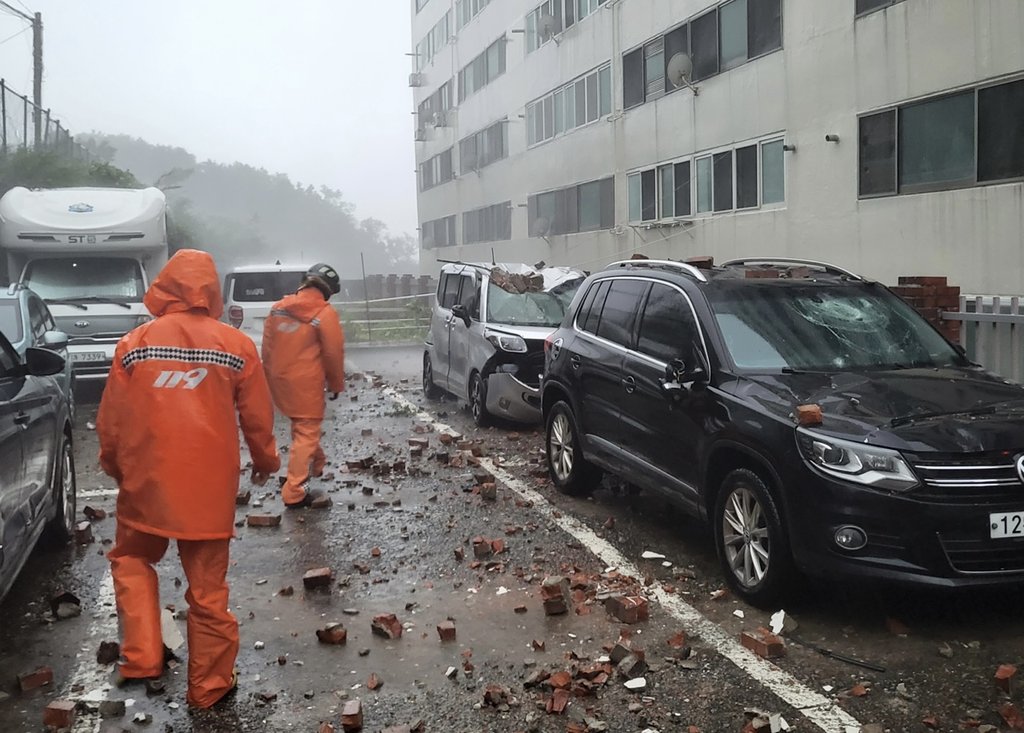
991 331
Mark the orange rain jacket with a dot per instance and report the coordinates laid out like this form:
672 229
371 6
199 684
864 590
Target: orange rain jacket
303 350
168 420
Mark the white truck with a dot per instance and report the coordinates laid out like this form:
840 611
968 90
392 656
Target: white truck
90 254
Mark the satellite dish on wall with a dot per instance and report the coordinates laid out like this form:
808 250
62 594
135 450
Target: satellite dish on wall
680 71
541 226
547 27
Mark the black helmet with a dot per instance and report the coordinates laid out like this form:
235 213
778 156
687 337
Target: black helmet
327 275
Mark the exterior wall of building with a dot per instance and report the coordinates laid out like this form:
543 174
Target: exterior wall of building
833 68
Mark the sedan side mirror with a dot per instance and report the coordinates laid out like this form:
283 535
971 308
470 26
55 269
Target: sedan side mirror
459 311
55 340
43 362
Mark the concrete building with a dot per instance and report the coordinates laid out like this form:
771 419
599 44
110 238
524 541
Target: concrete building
884 135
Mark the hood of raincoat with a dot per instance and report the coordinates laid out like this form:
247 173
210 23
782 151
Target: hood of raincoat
188 281
305 305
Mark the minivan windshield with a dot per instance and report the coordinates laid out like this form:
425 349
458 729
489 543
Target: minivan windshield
10 321
544 308
813 327
118 279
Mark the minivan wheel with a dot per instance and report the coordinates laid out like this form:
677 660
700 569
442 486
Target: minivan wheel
60 529
570 472
430 390
752 545
478 401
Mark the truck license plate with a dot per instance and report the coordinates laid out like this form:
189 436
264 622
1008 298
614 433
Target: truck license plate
88 356
1006 524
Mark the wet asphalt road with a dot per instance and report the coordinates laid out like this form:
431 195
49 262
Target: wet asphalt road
417 519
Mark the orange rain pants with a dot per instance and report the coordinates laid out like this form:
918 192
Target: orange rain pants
212 629
306 458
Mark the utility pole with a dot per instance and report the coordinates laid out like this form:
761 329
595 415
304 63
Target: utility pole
37 65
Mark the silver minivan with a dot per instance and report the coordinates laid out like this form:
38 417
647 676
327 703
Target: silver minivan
487 332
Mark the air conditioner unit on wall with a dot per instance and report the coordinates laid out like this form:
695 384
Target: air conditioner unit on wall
421 135
416 79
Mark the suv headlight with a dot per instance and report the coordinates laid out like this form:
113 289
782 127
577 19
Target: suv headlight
881 468
507 342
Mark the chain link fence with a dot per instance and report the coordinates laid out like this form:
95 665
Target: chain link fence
24 126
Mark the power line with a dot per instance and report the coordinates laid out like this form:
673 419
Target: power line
27 9
12 37
14 11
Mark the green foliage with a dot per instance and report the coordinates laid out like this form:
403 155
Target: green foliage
47 169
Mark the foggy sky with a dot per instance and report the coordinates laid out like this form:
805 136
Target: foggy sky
316 89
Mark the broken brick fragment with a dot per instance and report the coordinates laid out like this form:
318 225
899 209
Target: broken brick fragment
59 714
35 679
325 728
489 491
332 634
628 609
459 554
83 533
538 645
286 591
763 643
243 498
263 520
896 627
554 592
930 721
495 695
482 548
352 716
375 552
317 578
373 682
632 666
677 640
808 415
497 546
558 702
321 502
446 630
93 514
108 653
1004 677
859 690
520 609
386 625
560 680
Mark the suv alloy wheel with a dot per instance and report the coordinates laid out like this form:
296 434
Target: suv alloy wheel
60 529
571 473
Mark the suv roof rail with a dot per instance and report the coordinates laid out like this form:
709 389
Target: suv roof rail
834 269
15 287
694 272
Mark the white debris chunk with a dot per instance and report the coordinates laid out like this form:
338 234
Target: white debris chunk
648 555
170 631
738 613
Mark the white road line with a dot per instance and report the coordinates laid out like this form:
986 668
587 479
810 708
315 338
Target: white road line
817 708
88 676
97 494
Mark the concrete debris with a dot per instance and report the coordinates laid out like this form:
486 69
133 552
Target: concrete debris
632 666
93 514
317 578
172 636
782 623
65 605
142 718
83 533
446 630
373 682
112 709
59 714
263 520
638 684
649 555
554 592
386 625
333 634
108 652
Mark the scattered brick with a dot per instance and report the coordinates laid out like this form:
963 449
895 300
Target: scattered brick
325 728
317 578
287 591
554 592
558 702
352 716
489 491
112 709
421 443
763 643
321 502
59 714
263 520
808 415
386 625
373 682
497 546
677 640
35 679
375 552
446 630
332 634
896 627
93 514
83 533
859 690
560 680
459 554
481 548
520 609
108 653
628 609
539 645
367 432
1004 677
243 498
930 721
495 695
632 666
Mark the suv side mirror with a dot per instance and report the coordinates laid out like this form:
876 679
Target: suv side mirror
680 377
459 311
43 362
55 340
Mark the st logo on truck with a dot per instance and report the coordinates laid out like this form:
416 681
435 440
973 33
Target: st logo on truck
186 380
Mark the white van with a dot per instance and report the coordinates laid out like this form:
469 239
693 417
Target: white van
250 291
90 254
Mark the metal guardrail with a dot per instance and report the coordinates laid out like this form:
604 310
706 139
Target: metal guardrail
992 332
362 328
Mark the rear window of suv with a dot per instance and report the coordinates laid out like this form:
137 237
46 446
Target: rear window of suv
261 287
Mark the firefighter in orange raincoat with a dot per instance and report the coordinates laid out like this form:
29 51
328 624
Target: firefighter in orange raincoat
304 352
178 390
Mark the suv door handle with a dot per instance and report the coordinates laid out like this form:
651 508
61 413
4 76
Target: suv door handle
21 418
629 384
575 362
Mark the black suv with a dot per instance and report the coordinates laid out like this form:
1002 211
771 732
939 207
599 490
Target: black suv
811 416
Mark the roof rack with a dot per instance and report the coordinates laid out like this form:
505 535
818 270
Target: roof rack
688 269
15 287
835 270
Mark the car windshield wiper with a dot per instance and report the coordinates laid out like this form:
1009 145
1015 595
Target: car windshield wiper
79 300
976 412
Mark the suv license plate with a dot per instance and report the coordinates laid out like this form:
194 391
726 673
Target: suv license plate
1006 524
88 356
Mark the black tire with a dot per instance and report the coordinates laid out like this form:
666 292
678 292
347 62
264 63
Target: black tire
430 390
570 472
750 539
60 529
478 401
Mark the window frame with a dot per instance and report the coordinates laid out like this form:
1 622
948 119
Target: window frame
864 13
642 313
567 90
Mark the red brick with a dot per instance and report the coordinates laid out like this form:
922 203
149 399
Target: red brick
421 443
560 680
332 634
628 609
459 554
495 695
263 520
677 640
859 690
704 262
325 728
558 702
108 652
386 625
59 714
1004 677
808 415
35 679
93 514
482 548
554 591
763 643
317 578
373 682
539 645
83 533
446 630
930 721
243 498
489 491
497 546
352 716
922 280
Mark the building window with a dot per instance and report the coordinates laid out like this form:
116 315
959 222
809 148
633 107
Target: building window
482 148
704 171
438 233
433 109
722 183
746 177
578 103
667 191
543 23
436 171
682 184
773 173
724 38
482 70
420 4
431 45
586 207
466 10
863 7
635 197
954 141
489 224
